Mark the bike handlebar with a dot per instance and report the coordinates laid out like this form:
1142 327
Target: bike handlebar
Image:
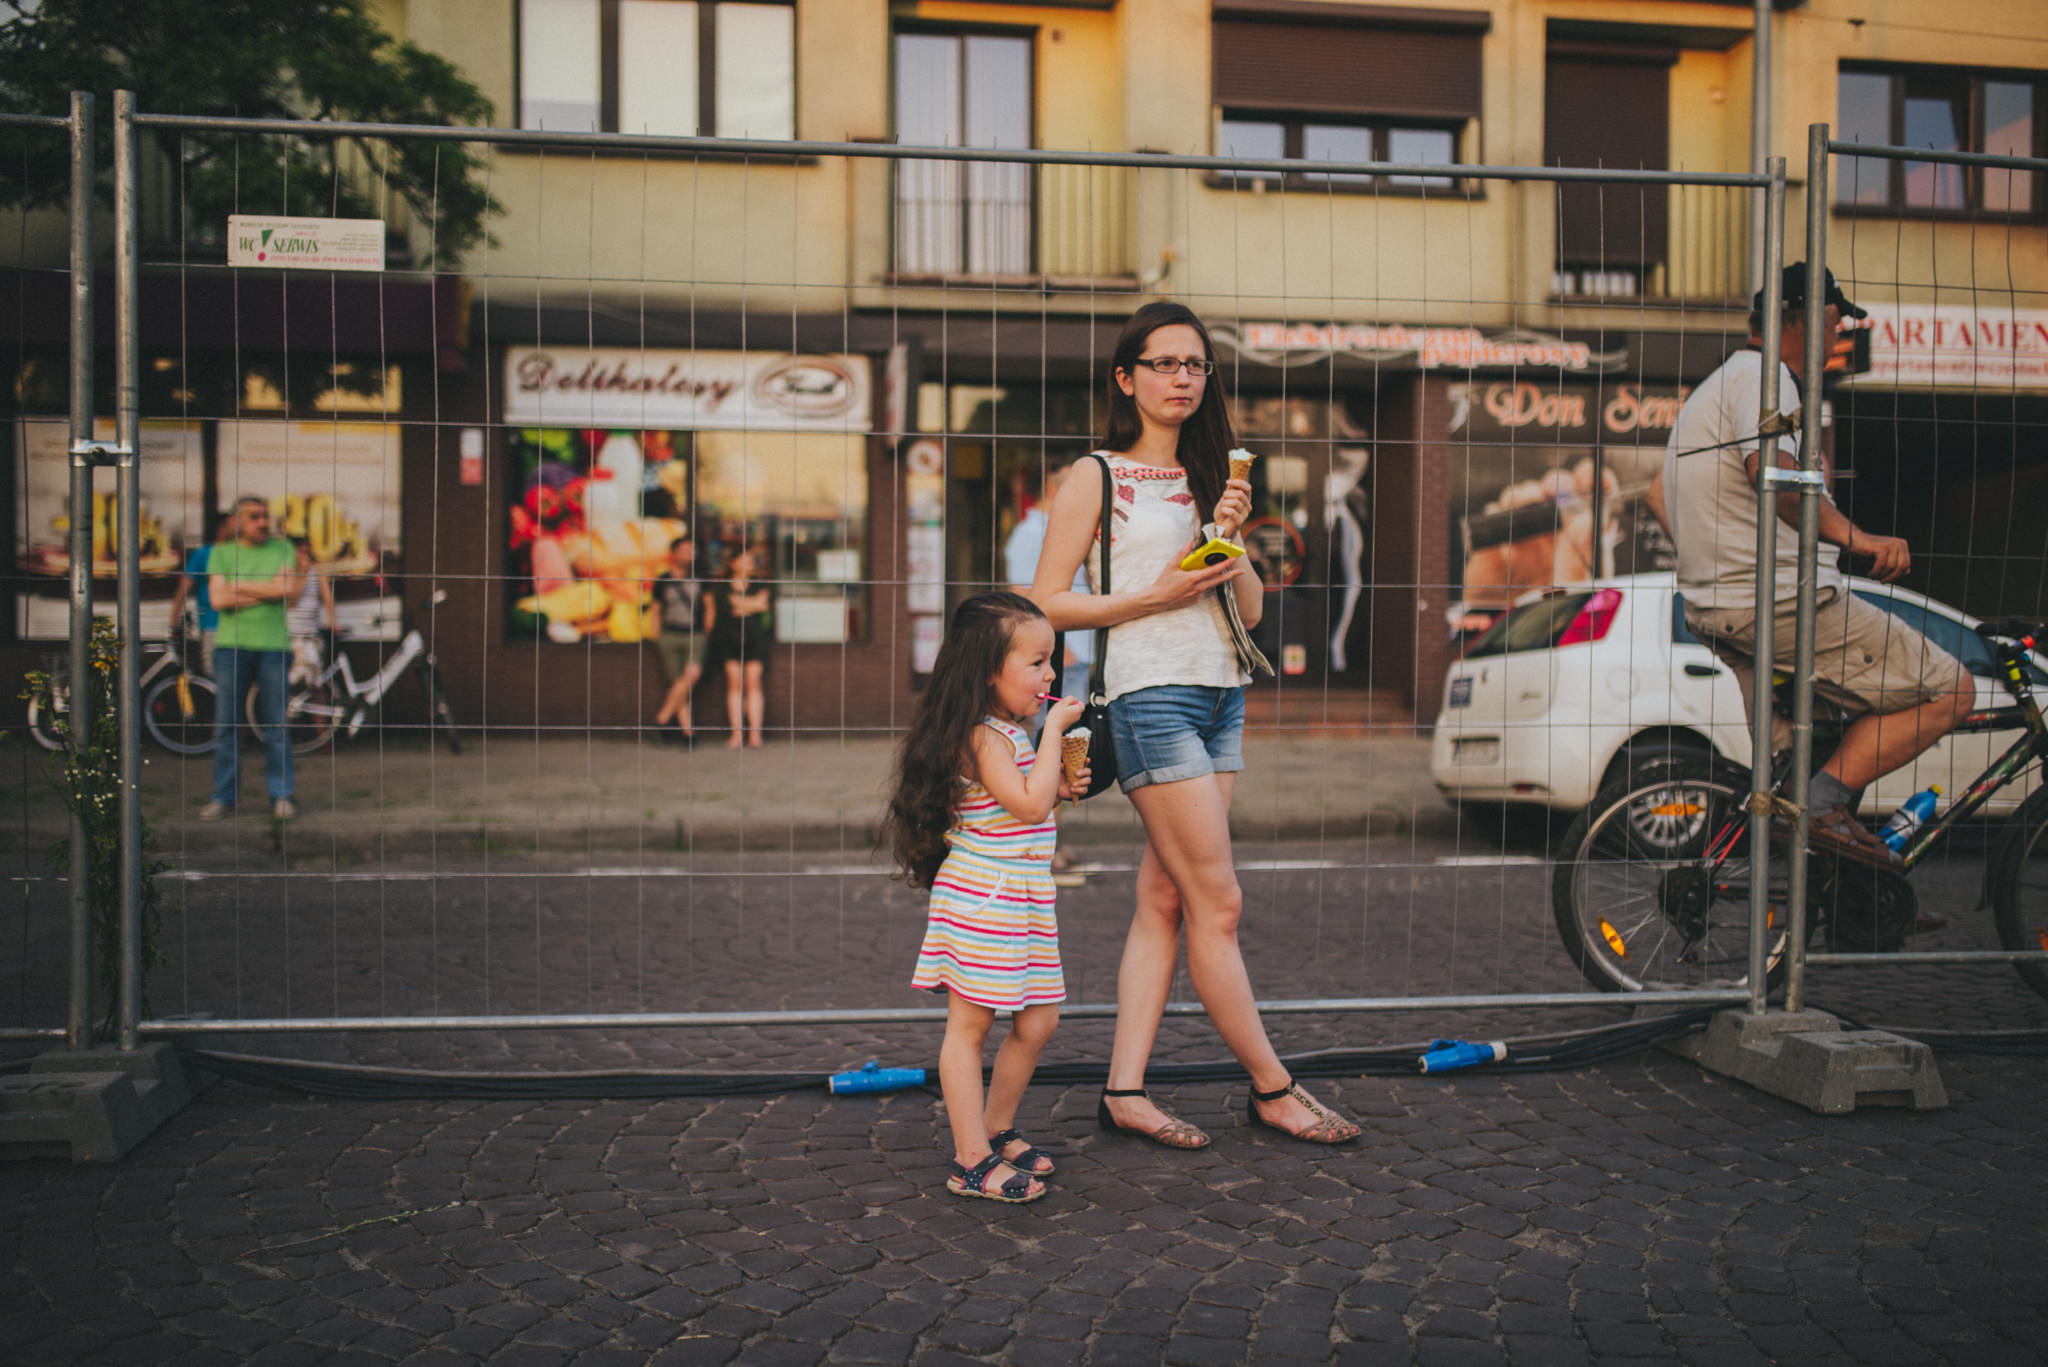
2029 631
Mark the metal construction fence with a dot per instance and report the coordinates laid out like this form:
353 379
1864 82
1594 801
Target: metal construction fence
847 373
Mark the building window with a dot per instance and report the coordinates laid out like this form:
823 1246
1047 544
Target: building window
963 90
720 68
1945 109
1252 136
1609 106
1342 82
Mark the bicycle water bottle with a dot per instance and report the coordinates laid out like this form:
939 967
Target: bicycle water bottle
1910 817
1446 1054
877 1079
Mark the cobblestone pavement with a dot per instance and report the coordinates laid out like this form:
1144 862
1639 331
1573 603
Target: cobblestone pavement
1638 1210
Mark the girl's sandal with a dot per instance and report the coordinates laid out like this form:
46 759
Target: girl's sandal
974 1182
1033 1159
1174 1134
1328 1129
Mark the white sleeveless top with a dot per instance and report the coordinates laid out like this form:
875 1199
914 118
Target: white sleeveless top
1152 519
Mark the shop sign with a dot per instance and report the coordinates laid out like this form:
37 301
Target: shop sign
686 390
1431 348
324 244
1957 346
1581 415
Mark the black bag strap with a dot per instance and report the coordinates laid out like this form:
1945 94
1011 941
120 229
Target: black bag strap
1059 639
1096 691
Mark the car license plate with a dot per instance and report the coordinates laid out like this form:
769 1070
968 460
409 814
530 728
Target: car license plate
1461 692
1478 750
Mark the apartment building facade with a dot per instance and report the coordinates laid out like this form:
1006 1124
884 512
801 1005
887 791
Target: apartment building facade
861 365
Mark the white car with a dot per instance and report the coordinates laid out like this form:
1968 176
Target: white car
1579 686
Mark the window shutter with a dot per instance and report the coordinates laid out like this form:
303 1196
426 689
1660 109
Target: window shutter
1614 113
1368 60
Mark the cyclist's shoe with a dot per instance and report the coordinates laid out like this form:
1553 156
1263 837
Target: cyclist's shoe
216 811
284 809
1836 831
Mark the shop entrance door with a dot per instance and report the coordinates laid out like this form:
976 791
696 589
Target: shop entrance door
1311 536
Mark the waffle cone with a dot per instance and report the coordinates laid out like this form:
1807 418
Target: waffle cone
1241 464
1074 753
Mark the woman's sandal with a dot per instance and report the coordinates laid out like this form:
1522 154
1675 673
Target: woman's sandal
1027 1161
1174 1134
974 1182
1328 1129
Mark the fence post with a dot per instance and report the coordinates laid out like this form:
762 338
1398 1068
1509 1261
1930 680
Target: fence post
1817 347
1766 601
1760 134
78 1027
127 435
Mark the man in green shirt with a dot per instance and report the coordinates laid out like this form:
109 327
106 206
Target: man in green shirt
249 580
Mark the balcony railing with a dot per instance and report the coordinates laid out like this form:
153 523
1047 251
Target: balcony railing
1704 254
998 221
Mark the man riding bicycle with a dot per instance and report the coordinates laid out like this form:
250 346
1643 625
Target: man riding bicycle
1906 692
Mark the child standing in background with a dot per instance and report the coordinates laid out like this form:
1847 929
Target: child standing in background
971 819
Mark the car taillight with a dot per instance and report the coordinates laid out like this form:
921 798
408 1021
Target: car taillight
1594 618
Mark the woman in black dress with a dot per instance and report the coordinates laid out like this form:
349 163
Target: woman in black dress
742 636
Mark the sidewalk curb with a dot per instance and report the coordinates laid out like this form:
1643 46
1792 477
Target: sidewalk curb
307 841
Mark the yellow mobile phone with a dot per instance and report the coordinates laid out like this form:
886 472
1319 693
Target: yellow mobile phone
1212 552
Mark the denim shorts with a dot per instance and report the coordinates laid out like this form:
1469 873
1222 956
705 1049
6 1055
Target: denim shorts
1175 732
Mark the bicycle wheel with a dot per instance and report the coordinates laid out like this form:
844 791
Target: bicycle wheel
179 713
444 715
1639 906
2019 887
310 714
42 726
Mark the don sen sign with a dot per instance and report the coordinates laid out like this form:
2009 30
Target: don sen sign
1575 414
635 388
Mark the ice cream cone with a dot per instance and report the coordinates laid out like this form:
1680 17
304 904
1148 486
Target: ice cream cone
1241 463
1074 755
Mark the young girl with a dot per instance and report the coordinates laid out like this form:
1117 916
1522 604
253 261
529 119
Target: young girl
971 819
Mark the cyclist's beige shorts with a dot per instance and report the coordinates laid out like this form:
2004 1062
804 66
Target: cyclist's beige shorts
1863 657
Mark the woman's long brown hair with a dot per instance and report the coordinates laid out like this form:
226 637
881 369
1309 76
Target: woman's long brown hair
1205 438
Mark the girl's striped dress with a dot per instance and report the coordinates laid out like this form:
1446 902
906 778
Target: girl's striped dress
992 937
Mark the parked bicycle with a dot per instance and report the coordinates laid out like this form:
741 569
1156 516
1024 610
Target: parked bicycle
177 704
1651 885
333 699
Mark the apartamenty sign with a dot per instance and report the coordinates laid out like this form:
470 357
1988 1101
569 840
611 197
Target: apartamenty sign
742 390
324 244
1430 348
1957 346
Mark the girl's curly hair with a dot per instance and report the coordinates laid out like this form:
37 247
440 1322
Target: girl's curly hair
931 764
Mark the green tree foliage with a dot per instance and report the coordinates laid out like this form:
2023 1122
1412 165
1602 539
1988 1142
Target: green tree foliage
267 59
89 782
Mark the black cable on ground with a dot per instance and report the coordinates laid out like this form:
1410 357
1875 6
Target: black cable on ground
1576 1049
2007 1043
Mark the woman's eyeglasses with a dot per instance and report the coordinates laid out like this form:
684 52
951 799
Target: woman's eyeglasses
1167 365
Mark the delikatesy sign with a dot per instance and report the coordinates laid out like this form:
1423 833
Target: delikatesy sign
631 387
323 244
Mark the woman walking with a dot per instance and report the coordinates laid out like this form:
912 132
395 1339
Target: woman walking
1176 693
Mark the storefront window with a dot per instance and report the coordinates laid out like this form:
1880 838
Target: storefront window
594 513
804 496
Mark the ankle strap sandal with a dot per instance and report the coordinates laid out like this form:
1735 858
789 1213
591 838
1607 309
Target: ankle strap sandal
1329 1127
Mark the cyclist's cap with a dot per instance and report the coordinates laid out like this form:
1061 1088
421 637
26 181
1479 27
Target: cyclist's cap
1792 285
